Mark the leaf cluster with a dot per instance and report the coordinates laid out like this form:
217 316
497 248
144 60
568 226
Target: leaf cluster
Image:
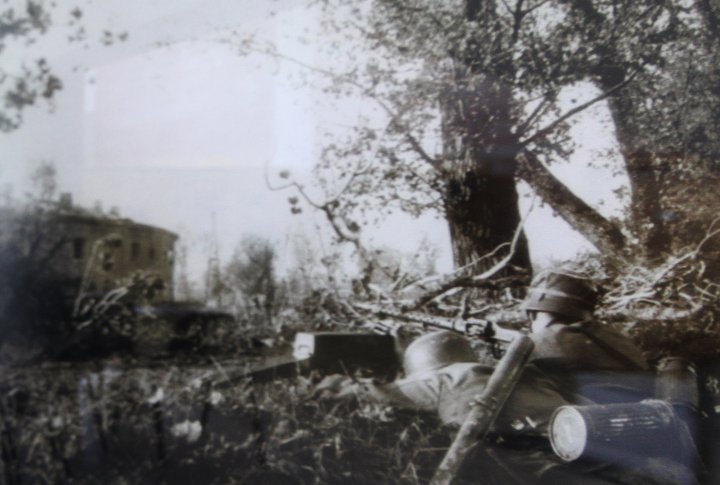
464 83
31 82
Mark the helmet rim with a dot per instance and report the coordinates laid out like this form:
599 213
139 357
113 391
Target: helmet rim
564 294
435 350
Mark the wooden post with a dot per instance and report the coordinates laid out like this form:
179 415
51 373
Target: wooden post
486 409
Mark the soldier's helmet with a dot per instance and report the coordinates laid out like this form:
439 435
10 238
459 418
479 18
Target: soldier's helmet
565 294
435 350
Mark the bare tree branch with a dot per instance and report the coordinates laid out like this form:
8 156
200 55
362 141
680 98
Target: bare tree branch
395 117
539 110
602 233
552 126
462 279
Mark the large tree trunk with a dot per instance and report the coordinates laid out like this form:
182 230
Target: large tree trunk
614 67
482 212
643 165
481 200
601 232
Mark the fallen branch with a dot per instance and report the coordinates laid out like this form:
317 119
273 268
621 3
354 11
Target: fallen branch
472 327
458 274
460 279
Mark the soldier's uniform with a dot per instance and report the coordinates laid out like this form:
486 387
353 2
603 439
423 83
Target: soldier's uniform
519 438
590 362
575 361
586 362
450 389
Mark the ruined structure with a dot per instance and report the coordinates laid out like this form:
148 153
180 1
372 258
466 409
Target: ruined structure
90 251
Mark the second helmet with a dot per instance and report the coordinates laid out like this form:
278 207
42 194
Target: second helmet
563 294
435 350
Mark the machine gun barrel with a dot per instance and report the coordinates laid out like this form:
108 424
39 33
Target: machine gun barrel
471 327
343 352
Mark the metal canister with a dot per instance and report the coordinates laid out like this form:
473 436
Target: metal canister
677 382
613 432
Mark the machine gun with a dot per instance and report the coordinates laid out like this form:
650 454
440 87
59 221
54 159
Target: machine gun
618 432
376 353
497 336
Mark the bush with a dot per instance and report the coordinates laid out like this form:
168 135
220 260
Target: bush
87 424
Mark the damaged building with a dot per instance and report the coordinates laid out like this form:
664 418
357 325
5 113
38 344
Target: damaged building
89 250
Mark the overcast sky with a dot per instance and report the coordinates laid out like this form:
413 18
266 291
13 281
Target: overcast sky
175 129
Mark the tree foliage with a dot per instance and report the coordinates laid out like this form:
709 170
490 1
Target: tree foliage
33 307
27 81
251 275
471 97
475 95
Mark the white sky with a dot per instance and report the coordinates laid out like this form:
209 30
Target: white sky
176 135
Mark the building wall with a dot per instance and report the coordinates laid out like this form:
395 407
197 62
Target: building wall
73 243
107 250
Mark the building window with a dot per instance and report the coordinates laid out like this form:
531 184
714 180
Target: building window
106 261
135 251
78 247
151 254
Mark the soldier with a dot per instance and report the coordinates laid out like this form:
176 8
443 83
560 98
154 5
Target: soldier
442 375
589 362
576 360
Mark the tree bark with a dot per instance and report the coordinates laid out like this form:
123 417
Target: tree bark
602 233
481 200
641 163
482 213
613 68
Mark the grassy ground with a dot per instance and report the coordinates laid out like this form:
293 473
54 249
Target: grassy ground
112 423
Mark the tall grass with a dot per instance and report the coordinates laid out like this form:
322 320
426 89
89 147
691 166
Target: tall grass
91 424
